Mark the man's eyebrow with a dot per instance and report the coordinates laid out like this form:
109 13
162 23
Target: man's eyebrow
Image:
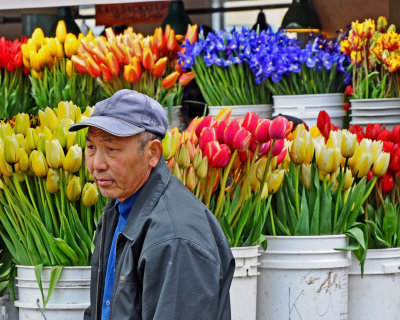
106 138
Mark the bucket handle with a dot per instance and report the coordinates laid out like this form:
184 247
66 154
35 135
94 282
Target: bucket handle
41 309
391 267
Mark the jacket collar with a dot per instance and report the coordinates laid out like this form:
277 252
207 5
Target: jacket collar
148 197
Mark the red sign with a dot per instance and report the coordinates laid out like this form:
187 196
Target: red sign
131 13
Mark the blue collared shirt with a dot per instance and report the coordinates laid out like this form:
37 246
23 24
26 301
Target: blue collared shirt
124 208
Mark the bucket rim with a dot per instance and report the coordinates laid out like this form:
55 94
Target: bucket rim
310 95
334 236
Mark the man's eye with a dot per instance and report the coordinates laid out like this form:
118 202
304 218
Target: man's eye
90 147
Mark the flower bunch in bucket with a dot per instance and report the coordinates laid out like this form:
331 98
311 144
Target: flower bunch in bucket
374 51
233 166
53 75
326 186
14 82
319 67
131 61
49 205
227 66
382 208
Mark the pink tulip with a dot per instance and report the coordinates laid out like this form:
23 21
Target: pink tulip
207 134
277 128
250 121
220 130
230 131
278 146
281 156
210 150
264 147
253 145
243 155
261 133
205 122
222 157
241 141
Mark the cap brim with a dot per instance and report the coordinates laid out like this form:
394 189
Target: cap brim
116 127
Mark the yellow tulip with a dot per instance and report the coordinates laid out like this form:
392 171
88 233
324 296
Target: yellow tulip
300 131
275 180
329 159
348 179
262 163
23 163
334 140
70 139
74 188
11 149
254 183
61 31
25 51
73 160
52 120
298 150
60 50
264 192
37 37
90 195
43 119
80 138
52 181
365 147
52 46
318 143
69 68
78 115
306 175
22 123
314 131
31 139
348 144
381 164
54 154
60 135
41 144
71 45
376 149
38 163
64 110
363 165
88 112
45 57
169 145
47 133
5 130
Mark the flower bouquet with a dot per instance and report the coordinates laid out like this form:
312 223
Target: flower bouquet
53 76
227 67
14 83
49 204
374 52
130 60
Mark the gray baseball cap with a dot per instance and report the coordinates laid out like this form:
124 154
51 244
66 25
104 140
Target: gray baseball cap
127 113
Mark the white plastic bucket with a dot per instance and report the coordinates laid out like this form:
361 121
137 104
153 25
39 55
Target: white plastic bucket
303 278
377 294
176 117
68 301
307 107
243 291
263 110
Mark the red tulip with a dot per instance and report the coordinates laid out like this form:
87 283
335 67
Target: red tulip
220 130
394 164
324 124
384 135
222 157
243 155
349 91
277 128
169 81
388 146
241 139
230 131
372 131
387 183
261 133
395 134
281 156
357 130
159 67
186 78
370 175
278 147
250 121
210 150
205 122
346 106
207 134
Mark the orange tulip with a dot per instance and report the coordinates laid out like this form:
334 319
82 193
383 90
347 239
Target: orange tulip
159 40
119 54
132 72
191 33
159 67
169 81
80 65
112 63
98 55
106 73
93 67
148 59
137 48
186 78
172 43
110 34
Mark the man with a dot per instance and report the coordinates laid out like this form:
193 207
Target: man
159 252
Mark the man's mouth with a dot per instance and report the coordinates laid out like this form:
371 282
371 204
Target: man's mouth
101 182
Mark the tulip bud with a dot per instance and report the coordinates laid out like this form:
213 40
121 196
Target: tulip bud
298 150
191 180
363 165
381 164
70 139
203 123
387 183
69 68
74 188
182 157
41 144
5 130
52 120
348 144
278 128
73 160
261 132
47 133
22 123
31 139
52 181
250 121
38 163
64 110
61 31
202 169
60 136
376 149
262 163
197 159
169 145
207 135
90 195
54 154
11 149
275 180
347 179
176 171
241 140
23 163
264 192
80 138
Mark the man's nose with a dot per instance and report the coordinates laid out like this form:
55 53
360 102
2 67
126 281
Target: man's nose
99 161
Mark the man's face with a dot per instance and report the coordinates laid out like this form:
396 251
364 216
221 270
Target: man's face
116 163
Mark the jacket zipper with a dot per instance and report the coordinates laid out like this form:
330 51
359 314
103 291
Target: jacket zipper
99 268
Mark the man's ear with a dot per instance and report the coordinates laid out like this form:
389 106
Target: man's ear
154 152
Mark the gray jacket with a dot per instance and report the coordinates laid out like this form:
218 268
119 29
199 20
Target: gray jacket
172 259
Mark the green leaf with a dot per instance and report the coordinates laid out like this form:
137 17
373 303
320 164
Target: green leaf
315 217
377 235
389 223
54 277
303 225
326 212
38 274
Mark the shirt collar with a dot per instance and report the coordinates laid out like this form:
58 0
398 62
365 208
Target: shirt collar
124 208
